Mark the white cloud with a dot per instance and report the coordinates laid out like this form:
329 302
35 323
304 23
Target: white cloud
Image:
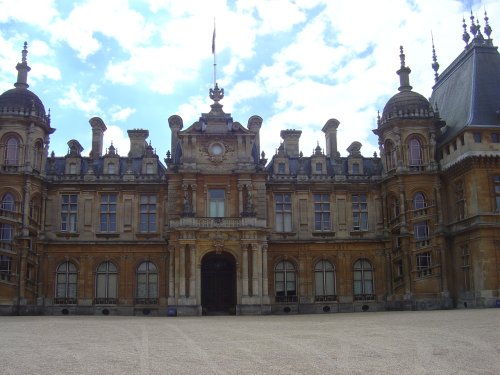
116 136
74 99
121 114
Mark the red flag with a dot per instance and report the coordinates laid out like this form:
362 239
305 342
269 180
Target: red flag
213 42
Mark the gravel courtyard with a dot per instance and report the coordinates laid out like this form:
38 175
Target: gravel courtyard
434 342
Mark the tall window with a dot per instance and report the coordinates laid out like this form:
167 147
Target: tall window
324 281
12 151
149 168
421 233
106 283
8 203
363 280
322 212
390 155
5 267
416 158
394 207
419 201
147 284
459 199
111 168
283 212
37 155
6 236
66 283
424 264
285 285
147 208
466 268
359 212
69 210
108 212
496 182
216 200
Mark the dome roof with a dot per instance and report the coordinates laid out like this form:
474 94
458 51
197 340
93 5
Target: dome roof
405 102
22 98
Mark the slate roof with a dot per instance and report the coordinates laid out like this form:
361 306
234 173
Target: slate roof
467 93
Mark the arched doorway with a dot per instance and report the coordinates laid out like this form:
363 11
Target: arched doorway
218 284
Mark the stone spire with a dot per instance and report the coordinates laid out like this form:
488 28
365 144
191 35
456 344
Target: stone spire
487 27
404 73
435 64
22 70
465 35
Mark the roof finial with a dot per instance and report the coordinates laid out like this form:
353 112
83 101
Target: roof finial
465 35
473 28
23 69
25 53
435 64
487 27
404 73
402 56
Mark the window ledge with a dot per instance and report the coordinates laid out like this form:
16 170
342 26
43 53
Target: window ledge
67 234
147 234
323 234
107 235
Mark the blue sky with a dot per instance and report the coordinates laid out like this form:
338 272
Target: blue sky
295 63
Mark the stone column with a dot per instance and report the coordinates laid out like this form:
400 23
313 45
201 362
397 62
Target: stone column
244 269
192 270
255 270
182 271
171 273
265 286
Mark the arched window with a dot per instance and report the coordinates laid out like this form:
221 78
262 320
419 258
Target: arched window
324 281
394 208
8 203
390 155
419 201
285 284
416 158
106 283
147 283
363 280
12 151
37 155
66 283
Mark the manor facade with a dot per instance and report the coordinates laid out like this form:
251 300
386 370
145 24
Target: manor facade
218 228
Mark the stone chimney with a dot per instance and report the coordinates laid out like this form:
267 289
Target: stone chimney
330 130
98 129
291 141
137 142
254 125
175 123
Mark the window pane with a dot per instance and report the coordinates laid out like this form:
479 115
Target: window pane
318 282
329 283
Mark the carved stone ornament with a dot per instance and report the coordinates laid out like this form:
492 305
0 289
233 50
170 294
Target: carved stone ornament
216 151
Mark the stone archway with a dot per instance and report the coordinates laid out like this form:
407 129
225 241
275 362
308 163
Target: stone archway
218 284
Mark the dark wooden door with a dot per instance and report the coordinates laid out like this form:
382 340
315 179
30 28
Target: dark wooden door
218 284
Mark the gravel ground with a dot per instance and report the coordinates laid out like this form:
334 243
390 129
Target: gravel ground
434 342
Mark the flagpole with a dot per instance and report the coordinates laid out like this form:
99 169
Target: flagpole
213 53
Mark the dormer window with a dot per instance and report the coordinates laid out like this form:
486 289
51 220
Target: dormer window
281 167
72 168
319 167
355 168
477 137
111 168
149 168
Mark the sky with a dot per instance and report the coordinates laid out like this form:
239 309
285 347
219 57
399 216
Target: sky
295 63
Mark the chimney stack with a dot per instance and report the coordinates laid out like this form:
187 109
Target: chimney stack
291 141
137 142
330 130
98 129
